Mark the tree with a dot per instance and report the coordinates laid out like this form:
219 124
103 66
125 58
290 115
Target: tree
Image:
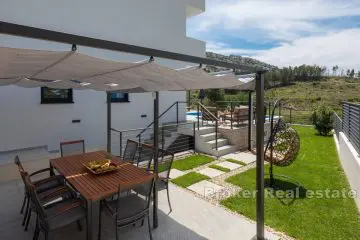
348 72
352 73
335 69
322 120
215 95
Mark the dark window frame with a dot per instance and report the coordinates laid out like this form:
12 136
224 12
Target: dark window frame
68 100
125 99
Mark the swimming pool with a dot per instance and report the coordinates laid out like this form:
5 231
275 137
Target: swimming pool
193 113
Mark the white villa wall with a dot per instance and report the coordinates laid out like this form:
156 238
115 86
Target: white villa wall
350 161
160 24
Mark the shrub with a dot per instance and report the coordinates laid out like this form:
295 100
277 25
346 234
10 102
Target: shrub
322 120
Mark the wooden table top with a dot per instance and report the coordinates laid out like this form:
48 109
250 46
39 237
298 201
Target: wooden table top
97 187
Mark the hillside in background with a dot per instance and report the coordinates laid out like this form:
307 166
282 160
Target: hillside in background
307 95
236 59
302 87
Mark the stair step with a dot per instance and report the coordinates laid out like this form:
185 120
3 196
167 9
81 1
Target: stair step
221 142
210 136
225 149
205 130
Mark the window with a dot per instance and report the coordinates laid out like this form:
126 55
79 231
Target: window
119 97
50 95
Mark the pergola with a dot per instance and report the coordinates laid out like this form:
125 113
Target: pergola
160 79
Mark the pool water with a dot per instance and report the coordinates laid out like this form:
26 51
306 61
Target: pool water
193 113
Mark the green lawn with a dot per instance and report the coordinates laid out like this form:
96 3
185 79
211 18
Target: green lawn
189 179
317 167
191 162
223 169
236 161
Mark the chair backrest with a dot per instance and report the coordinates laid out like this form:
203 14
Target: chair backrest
35 200
130 150
20 167
72 148
240 113
147 189
146 154
165 161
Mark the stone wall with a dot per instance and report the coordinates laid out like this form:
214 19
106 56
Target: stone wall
239 136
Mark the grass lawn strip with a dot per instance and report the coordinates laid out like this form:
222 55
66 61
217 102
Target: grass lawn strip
236 162
189 179
223 169
317 167
191 162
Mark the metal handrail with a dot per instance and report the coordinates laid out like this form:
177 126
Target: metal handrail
207 110
162 114
214 119
124 134
138 129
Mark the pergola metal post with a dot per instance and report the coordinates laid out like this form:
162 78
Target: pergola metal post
259 85
108 102
156 148
250 120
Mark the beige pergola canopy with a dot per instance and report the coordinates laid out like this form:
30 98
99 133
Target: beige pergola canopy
38 68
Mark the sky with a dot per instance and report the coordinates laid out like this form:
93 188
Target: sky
282 32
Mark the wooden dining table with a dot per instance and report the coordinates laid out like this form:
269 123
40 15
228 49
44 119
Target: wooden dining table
94 188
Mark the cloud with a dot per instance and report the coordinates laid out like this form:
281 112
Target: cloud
284 20
340 48
335 48
225 49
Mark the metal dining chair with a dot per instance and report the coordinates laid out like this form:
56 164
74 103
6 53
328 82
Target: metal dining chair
48 187
55 215
72 148
145 156
165 161
128 210
130 150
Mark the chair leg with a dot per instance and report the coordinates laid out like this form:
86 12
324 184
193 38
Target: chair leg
79 225
116 231
28 220
23 205
46 235
168 196
37 230
99 230
148 218
26 211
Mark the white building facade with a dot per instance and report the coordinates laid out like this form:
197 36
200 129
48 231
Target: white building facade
161 24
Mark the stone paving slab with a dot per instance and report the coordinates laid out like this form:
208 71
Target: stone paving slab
229 165
245 157
205 188
192 218
210 172
174 173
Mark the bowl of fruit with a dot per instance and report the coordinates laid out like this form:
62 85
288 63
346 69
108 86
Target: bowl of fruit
101 166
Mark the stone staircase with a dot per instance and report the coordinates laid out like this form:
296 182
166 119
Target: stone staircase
205 141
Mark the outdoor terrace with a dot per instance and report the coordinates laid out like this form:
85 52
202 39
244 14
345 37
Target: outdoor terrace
192 218
207 196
